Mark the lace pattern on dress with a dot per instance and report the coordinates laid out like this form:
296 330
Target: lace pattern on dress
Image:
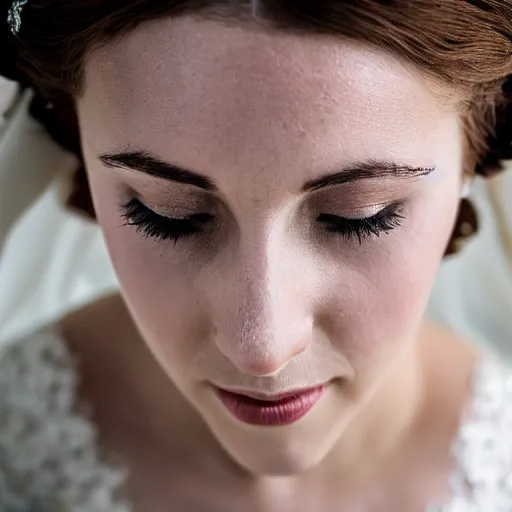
49 459
482 479
48 454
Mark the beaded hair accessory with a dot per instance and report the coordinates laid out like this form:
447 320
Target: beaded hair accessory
14 15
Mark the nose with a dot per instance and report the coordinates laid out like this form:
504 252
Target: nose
264 354
267 321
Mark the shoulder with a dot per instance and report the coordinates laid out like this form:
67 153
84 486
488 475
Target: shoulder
484 447
47 449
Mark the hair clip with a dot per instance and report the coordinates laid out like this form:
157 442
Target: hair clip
14 15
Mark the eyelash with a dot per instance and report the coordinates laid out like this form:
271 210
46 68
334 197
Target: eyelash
152 225
384 221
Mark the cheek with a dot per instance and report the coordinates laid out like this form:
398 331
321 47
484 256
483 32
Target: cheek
159 292
369 303
155 278
378 305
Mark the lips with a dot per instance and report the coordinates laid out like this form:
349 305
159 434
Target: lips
270 398
265 410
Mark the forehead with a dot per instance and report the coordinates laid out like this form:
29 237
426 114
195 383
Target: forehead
182 85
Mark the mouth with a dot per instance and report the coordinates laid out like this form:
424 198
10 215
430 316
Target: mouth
270 410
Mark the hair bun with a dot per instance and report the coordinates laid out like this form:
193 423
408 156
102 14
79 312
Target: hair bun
500 142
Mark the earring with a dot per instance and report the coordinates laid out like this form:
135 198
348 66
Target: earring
467 186
466 226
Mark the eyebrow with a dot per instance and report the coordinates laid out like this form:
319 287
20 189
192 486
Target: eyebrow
144 162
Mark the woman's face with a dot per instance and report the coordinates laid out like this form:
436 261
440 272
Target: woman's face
315 181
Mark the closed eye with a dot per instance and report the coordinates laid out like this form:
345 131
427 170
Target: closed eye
386 220
153 225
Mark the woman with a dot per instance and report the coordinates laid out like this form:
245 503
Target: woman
277 184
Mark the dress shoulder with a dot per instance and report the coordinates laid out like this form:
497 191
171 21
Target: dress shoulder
483 450
48 453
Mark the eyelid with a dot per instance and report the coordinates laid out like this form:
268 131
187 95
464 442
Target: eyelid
357 200
173 212
157 211
365 212
164 200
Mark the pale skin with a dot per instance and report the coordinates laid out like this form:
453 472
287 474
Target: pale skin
265 298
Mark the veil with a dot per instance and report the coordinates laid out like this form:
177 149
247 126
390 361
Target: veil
24 175
50 261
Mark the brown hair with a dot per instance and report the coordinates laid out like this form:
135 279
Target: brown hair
464 44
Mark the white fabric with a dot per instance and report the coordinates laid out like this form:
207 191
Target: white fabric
483 450
49 457
50 260
24 174
473 292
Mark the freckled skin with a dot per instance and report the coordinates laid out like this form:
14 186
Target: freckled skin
270 301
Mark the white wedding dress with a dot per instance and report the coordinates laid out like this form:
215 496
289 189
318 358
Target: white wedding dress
49 460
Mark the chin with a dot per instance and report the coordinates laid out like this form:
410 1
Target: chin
266 461
280 467
277 451
274 452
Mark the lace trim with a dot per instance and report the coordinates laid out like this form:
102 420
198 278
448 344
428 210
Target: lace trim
45 445
482 478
